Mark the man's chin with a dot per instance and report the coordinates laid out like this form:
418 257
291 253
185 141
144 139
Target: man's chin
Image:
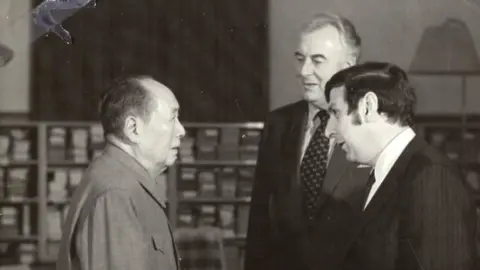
171 160
309 96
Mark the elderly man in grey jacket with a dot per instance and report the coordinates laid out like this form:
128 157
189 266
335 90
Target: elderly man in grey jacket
117 215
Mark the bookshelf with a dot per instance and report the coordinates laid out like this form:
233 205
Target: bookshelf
60 151
18 192
209 185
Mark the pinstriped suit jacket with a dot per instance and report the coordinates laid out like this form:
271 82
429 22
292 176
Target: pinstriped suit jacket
421 218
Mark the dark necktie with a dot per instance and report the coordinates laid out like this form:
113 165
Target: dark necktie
314 164
368 187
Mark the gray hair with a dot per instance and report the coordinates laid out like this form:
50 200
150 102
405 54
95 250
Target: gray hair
348 34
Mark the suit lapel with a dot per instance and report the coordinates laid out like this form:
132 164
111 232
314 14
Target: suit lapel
293 139
337 167
391 182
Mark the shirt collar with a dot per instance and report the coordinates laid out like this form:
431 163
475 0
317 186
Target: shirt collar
312 111
130 162
391 152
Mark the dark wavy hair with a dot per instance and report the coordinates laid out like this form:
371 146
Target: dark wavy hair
396 95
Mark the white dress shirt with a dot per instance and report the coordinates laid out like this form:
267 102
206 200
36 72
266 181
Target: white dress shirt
387 159
310 129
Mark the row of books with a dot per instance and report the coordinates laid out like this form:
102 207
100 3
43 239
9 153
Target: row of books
14 183
224 136
220 144
16 144
15 220
227 182
17 256
232 219
62 183
78 144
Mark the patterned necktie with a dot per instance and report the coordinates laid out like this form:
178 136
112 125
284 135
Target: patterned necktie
314 165
368 188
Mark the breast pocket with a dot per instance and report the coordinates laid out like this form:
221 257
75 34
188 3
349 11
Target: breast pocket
159 241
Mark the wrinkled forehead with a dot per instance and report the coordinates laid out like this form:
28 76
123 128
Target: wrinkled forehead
324 40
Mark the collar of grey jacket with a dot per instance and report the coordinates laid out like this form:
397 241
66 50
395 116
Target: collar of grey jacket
123 157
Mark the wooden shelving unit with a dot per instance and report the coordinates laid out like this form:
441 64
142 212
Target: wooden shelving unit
209 185
62 150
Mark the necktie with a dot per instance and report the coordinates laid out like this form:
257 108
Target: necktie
314 165
368 187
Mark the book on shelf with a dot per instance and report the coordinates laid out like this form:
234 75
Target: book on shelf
21 144
9 221
15 145
207 136
57 185
57 143
78 150
207 184
4 148
186 216
207 215
186 151
187 183
245 182
16 184
227 220
227 181
242 219
97 140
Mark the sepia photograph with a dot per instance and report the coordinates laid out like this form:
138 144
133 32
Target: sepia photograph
239 135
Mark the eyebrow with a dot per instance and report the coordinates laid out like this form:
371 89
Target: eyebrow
316 56
299 54
313 56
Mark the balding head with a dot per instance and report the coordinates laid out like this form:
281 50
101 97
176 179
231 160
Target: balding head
124 97
140 115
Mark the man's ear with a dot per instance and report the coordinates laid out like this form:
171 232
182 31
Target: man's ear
371 107
132 128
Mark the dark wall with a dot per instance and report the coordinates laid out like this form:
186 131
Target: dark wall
212 54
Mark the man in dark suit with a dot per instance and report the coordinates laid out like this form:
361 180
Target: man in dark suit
117 217
417 213
305 194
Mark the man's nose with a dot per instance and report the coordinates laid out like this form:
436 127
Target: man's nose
181 130
306 68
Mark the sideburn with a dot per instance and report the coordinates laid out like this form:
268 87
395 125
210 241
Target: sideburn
356 119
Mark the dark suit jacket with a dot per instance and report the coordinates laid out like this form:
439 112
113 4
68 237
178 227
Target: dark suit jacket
421 217
116 219
280 236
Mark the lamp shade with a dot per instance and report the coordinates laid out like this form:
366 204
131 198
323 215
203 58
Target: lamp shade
448 47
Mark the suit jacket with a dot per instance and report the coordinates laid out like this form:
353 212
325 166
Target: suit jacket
280 236
116 219
420 218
